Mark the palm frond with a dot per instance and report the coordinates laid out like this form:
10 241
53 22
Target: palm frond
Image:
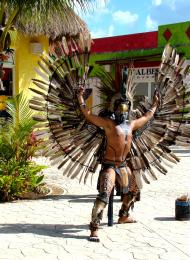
18 108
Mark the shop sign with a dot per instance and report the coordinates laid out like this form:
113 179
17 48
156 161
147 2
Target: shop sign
145 74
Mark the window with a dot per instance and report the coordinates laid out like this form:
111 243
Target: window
6 88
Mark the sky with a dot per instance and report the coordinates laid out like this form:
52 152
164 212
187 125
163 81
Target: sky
120 17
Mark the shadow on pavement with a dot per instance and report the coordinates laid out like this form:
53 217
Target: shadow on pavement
72 198
52 230
76 198
165 219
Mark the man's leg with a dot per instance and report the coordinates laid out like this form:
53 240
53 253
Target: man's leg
107 181
130 195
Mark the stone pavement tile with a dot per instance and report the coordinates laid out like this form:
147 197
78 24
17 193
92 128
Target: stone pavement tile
58 241
174 255
116 237
6 256
40 257
116 254
51 248
185 247
12 253
149 250
73 249
74 256
100 257
109 254
45 253
145 256
96 247
28 251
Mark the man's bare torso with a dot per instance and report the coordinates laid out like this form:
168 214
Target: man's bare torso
119 139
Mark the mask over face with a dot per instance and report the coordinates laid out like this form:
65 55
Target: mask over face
121 110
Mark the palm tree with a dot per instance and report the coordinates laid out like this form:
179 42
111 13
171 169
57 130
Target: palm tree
39 17
51 18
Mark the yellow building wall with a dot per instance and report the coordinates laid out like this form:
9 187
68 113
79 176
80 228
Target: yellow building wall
25 62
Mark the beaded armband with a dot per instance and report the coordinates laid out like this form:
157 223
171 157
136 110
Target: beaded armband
83 105
151 110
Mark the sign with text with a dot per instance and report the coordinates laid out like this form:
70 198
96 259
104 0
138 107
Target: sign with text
144 74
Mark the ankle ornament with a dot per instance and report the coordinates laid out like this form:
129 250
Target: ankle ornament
93 226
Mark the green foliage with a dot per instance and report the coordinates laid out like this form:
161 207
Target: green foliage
17 179
18 144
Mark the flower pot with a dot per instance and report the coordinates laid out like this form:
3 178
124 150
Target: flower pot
182 210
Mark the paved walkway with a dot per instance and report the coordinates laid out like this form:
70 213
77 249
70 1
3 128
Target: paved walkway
57 227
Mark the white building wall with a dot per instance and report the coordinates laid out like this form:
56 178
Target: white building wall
93 83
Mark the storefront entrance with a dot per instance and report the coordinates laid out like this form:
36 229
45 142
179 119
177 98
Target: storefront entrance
144 81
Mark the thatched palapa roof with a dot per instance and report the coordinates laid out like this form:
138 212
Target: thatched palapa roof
53 25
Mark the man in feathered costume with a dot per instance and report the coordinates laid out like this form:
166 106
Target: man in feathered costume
118 131
74 138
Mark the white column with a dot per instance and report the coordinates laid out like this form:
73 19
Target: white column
96 98
149 90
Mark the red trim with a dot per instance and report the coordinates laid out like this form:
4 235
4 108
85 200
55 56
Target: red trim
125 42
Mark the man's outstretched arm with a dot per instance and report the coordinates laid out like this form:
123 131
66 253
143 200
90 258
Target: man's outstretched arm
138 123
96 120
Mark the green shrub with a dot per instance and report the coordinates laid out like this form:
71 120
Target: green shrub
18 144
17 179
